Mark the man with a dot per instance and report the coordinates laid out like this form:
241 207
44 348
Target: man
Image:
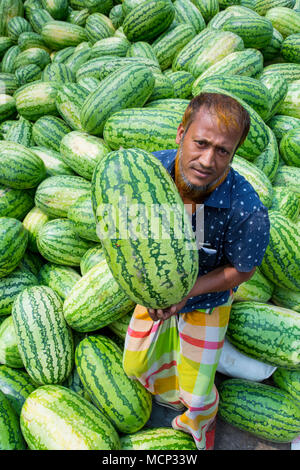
174 352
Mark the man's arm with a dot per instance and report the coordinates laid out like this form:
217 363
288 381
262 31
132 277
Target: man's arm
220 279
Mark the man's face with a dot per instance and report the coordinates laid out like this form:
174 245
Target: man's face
206 149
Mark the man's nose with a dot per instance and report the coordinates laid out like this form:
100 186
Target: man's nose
207 157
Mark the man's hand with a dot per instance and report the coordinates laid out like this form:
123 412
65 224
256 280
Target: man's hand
164 314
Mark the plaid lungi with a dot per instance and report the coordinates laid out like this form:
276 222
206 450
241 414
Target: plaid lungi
177 359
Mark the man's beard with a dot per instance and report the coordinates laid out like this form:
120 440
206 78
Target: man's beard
190 190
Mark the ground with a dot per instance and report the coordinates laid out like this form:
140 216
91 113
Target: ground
227 437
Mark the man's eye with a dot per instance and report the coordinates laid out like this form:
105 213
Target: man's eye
223 151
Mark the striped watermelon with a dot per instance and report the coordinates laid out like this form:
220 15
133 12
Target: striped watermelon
249 89
289 71
32 262
149 129
158 439
288 380
168 44
9 9
11 285
148 20
281 124
74 383
69 101
255 31
146 280
256 178
28 73
8 83
89 83
57 72
10 434
214 50
116 15
13 243
290 48
59 243
36 99
7 106
163 88
288 176
290 106
38 17
56 418
20 168
281 262
91 304
53 162
248 62
182 84
15 203
187 13
207 8
9 352
268 160
124 401
260 409
44 340
142 49
16 386
184 57
20 132
120 326
104 101
60 57
287 202
34 55
79 57
8 60
112 46
90 258
27 40
83 218
286 298
272 50
56 194
59 34
81 152
116 63
58 9
98 26
48 132
60 278
278 346
285 20
33 221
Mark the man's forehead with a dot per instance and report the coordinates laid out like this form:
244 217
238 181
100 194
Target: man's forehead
208 122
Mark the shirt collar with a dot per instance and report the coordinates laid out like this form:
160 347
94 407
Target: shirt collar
220 197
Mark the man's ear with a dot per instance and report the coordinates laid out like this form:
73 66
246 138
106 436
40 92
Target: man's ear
180 132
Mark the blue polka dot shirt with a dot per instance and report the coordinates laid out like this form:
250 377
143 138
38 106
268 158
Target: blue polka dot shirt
236 230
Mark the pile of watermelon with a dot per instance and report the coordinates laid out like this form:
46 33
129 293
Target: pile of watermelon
88 89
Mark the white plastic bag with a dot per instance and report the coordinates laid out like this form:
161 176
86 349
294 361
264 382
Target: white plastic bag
236 364
295 445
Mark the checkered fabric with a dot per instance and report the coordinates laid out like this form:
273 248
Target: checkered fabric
177 359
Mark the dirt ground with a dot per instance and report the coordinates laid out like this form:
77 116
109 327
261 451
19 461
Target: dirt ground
227 437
